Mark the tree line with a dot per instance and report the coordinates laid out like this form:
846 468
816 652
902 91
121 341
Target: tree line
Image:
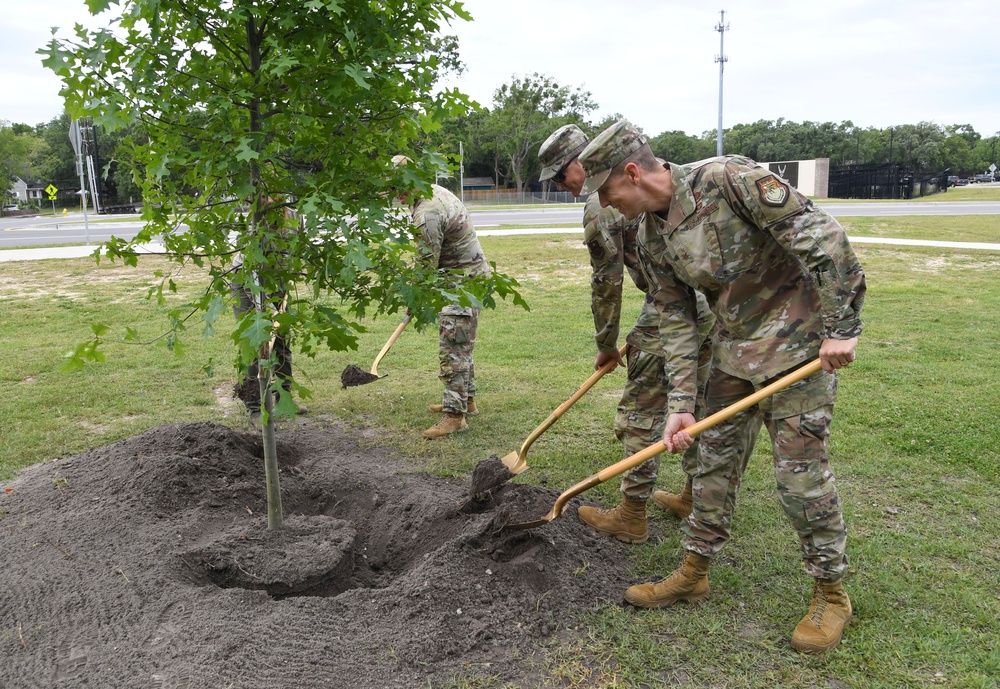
500 141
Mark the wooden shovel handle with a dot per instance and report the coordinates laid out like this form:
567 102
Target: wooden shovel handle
392 338
574 398
715 419
656 448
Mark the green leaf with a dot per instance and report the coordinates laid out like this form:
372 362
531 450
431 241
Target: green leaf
359 74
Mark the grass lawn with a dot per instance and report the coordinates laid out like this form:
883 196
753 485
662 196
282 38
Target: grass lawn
915 446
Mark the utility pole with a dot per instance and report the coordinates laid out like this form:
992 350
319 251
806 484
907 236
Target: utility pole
721 58
461 171
79 147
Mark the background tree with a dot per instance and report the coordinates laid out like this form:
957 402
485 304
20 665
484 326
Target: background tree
678 147
255 110
15 157
525 112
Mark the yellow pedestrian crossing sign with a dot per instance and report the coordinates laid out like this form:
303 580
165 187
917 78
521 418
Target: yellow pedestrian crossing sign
51 190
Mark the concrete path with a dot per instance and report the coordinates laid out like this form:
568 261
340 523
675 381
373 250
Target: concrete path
82 251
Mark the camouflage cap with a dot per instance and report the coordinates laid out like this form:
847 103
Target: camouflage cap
562 146
612 146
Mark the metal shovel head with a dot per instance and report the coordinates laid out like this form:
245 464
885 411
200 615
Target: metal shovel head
515 463
353 376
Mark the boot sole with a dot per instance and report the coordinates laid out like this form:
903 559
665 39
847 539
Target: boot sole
644 603
814 649
441 411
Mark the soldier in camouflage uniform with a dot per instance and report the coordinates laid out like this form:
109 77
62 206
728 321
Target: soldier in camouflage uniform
787 287
641 412
447 241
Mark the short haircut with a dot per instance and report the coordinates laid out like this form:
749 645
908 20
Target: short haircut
643 158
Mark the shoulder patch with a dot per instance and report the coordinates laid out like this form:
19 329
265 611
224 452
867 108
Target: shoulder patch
773 192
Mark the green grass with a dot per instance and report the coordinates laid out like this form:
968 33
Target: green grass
915 447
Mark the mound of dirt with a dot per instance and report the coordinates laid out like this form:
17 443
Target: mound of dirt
148 563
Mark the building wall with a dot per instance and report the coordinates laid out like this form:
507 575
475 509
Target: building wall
811 177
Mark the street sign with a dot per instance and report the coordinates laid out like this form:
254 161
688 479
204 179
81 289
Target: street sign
993 167
51 190
52 197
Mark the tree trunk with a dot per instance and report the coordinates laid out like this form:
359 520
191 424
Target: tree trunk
275 516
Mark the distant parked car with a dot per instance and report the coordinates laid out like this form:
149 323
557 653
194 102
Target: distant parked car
11 208
984 178
956 181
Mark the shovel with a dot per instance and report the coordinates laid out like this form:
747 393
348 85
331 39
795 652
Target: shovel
655 449
353 376
515 461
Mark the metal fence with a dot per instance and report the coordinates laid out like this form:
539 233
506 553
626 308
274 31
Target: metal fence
500 197
883 182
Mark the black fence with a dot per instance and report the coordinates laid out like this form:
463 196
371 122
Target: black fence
117 210
883 182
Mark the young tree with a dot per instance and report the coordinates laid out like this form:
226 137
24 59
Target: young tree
269 130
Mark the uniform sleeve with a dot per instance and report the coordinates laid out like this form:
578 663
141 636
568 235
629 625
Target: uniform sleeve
677 307
430 229
814 237
604 244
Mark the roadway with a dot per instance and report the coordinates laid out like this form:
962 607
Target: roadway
41 231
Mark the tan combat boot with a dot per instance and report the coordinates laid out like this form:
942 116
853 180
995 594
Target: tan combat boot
830 612
679 504
471 406
627 522
449 423
689 582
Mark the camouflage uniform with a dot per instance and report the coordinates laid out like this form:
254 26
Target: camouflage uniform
447 241
781 276
639 421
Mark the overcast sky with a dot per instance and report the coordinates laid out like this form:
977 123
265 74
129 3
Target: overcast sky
877 63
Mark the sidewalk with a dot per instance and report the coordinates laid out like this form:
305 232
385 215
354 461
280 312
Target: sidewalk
44 252
83 251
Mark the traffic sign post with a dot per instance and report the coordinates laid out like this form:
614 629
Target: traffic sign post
51 190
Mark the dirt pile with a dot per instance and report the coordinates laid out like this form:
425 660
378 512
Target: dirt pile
147 563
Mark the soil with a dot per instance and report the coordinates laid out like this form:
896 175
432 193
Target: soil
353 376
148 563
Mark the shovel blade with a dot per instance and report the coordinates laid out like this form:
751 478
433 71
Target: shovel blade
515 463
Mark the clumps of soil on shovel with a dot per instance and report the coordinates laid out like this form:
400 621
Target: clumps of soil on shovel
353 376
147 563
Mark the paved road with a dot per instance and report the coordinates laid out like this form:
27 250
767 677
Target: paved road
25 232
574 215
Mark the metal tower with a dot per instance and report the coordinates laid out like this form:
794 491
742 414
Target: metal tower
721 58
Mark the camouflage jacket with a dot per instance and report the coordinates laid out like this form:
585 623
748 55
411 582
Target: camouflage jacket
778 272
612 244
446 236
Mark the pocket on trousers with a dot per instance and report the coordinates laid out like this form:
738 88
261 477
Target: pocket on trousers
823 514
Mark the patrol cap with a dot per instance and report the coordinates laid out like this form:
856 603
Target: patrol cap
612 146
560 148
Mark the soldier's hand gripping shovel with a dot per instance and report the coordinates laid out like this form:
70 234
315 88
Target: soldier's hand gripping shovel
352 375
516 461
655 449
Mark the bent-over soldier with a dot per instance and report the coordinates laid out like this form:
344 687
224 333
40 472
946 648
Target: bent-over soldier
786 286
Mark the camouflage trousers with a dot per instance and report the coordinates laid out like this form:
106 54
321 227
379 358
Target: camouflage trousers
456 340
640 418
798 420
642 410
